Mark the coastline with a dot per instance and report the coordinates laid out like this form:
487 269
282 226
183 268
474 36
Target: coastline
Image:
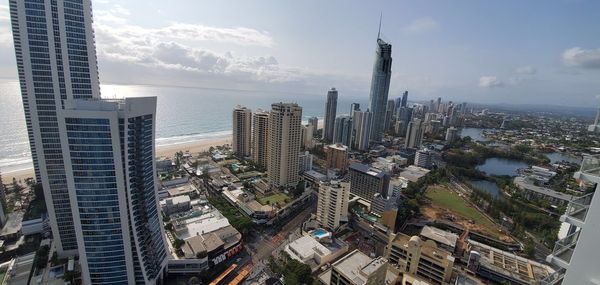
161 151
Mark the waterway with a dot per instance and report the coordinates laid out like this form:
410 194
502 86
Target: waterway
487 186
474 133
501 166
558 157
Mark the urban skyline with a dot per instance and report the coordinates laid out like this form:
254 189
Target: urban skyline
433 191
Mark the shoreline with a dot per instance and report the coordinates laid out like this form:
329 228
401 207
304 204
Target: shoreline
162 151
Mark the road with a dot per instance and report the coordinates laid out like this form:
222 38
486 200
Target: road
267 244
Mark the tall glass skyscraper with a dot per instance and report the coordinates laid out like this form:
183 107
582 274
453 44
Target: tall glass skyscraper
109 159
56 60
380 86
330 111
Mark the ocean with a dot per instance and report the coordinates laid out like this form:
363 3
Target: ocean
183 114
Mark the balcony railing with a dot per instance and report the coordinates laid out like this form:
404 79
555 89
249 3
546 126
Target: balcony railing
590 168
577 210
563 250
555 278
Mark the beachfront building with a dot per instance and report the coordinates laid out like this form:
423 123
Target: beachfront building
365 182
260 137
332 205
410 255
307 135
380 86
361 122
343 130
284 144
577 253
330 111
242 131
56 61
109 155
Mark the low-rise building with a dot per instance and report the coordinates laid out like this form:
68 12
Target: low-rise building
423 159
422 259
356 268
413 173
444 239
176 204
504 267
532 191
305 161
315 254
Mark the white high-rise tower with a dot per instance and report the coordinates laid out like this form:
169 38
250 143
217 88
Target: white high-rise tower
56 61
110 172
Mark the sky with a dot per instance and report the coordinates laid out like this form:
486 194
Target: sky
510 51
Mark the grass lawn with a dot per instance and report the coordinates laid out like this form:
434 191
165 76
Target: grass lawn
273 199
451 201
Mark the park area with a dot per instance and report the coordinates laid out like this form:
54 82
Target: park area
449 206
274 199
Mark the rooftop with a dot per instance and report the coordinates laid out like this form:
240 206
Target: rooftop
439 236
368 170
521 182
510 264
356 266
428 248
413 173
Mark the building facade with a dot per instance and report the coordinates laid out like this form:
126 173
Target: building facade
343 130
336 157
260 138
242 131
109 158
380 86
305 161
414 134
422 259
330 112
577 253
365 182
284 144
423 158
56 61
362 129
332 205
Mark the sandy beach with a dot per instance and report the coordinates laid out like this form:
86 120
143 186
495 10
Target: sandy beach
162 151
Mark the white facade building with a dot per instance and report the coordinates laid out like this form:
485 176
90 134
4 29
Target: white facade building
332 205
577 254
110 173
56 61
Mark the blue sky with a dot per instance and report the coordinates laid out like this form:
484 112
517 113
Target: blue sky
540 52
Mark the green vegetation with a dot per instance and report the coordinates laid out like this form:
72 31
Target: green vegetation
409 208
41 257
293 271
450 200
236 219
273 199
525 218
37 206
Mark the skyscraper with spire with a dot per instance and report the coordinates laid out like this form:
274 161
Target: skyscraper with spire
380 86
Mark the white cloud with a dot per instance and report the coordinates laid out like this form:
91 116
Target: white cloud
490 82
421 25
525 70
585 58
5 27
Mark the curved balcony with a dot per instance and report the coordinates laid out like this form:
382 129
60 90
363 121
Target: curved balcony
577 210
563 251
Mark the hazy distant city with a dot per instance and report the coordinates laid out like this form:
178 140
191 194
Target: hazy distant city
198 161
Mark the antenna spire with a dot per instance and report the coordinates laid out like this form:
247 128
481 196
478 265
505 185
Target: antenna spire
379 31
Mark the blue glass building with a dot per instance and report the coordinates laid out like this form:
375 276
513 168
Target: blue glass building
380 87
109 155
